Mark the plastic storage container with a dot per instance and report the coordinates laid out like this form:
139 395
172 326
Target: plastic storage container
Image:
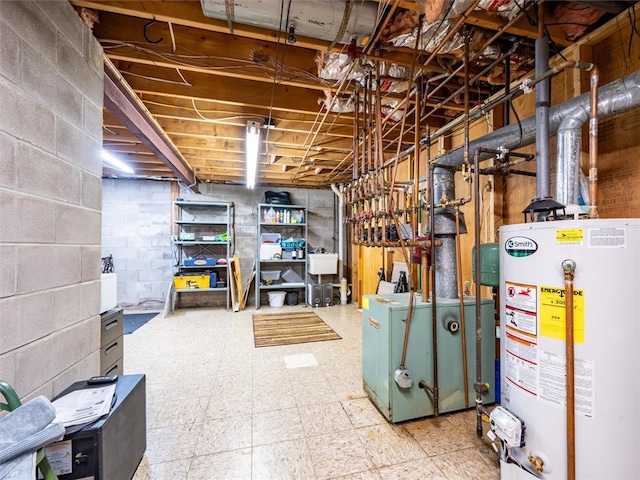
273 275
323 263
276 298
290 276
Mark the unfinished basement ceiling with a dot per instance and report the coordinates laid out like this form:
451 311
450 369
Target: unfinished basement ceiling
199 71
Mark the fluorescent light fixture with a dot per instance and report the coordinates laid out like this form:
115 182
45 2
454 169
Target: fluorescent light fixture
116 162
251 152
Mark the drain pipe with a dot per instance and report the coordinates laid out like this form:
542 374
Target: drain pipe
570 145
339 191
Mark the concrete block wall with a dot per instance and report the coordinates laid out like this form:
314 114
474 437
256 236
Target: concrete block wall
136 230
128 234
51 88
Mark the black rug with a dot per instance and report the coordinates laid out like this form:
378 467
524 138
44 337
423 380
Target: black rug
133 321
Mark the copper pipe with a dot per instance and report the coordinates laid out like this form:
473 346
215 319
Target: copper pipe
370 126
593 144
363 128
434 301
442 103
478 53
393 205
424 262
406 329
466 100
356 134
372 41
425 295
451 32
379 143
541 27
463 331
479 386
416 165
569 268
463 336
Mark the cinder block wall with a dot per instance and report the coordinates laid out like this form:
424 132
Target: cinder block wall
137 218
51 89
136 230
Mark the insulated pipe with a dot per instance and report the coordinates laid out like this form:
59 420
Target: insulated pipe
569 268
543 156
616 97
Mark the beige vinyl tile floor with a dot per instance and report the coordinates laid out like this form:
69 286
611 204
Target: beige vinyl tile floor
219 408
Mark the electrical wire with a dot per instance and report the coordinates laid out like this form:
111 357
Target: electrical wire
203 62
515 113
183 83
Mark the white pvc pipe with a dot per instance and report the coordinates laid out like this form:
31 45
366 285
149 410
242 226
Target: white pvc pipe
340 195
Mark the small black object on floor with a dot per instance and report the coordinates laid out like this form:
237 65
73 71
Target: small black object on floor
133 321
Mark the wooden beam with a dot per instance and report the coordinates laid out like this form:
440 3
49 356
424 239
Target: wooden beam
122 103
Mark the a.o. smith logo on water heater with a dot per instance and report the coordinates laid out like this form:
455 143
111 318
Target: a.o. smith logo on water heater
520 246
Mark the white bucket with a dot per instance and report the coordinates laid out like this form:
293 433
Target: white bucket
276 299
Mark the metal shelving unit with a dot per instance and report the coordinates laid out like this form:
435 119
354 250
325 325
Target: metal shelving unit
203 245
291 223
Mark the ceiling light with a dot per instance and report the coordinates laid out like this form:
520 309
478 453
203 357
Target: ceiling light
251 152
116 162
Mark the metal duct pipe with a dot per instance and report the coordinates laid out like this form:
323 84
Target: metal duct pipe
570 146
444 220
543 156
310 18
616 97
568 161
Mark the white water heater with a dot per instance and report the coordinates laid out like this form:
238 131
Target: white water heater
606 306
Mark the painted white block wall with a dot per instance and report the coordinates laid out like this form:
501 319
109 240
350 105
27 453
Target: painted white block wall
51 89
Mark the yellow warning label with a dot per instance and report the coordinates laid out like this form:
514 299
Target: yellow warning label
573 236
553 317
365 303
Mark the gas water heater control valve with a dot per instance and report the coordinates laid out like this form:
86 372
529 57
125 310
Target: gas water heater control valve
507 426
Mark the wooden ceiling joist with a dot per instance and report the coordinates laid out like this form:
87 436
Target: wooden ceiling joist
123 104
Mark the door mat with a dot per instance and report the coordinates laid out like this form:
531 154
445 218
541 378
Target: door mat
133 321
290 328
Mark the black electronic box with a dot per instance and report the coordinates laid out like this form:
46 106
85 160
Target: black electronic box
110 448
